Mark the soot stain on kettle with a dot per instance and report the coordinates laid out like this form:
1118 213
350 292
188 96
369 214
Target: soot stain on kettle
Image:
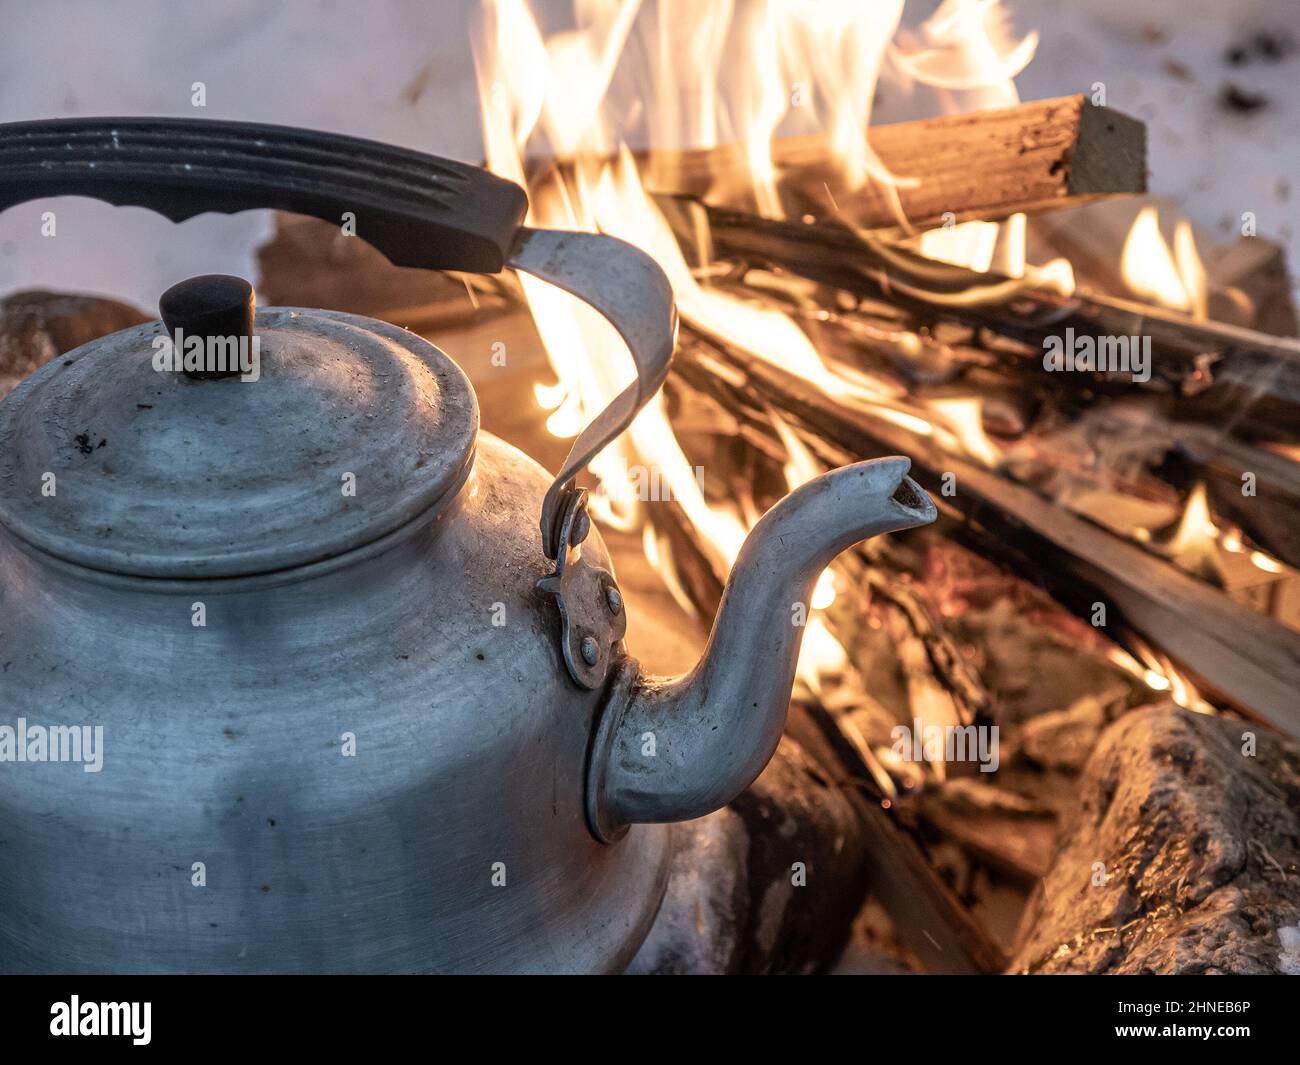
84 445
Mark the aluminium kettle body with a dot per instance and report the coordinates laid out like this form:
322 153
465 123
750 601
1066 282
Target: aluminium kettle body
299 682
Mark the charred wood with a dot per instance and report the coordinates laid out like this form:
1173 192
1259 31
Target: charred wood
1234 653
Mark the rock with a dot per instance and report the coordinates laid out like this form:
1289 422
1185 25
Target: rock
1183 856
36 326
770 884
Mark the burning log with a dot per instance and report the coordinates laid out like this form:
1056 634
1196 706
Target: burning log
1242 657
1215 370
985 164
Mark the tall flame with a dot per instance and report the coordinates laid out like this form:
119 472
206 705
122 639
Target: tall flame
966 47
690 75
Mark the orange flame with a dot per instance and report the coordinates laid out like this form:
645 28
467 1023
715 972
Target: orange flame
705 74
1173 278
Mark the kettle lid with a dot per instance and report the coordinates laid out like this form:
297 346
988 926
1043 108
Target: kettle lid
342 430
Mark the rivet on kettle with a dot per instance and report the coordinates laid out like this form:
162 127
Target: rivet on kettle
590 650
581 528
613 599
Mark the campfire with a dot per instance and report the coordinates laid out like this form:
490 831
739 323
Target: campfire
1114 463
1101 401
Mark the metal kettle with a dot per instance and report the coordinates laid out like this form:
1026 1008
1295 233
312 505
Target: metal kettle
358 711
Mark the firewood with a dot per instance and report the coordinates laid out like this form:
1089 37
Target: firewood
983 164
926 913
1180 858
1235 654
1216 371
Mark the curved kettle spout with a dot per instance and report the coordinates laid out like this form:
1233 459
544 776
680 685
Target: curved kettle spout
672 749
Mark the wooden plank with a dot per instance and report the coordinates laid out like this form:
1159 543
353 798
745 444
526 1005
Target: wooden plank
982 164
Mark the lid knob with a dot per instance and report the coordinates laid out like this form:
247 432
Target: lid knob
211 306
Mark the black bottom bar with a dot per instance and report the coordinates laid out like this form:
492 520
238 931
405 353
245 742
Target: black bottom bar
931 1014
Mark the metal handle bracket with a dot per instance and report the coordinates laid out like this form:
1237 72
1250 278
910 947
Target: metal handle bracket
630 289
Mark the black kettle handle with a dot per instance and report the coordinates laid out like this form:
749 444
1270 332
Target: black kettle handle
418 209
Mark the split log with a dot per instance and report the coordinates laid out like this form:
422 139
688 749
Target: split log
1233 375
1235 654
983 164
1181 857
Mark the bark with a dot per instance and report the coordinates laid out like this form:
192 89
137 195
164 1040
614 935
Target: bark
1182 857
